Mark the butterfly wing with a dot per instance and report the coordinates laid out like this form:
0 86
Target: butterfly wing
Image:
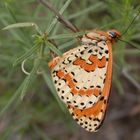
92 118
82 77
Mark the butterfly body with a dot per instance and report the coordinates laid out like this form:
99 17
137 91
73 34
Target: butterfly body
82 77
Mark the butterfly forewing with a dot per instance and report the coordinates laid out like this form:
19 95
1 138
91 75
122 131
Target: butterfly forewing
82 78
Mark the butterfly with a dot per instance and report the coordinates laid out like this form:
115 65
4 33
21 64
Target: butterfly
82 76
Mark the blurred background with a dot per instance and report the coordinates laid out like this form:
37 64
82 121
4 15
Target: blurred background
29 106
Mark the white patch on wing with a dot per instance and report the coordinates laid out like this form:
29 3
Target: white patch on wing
84 79
88 123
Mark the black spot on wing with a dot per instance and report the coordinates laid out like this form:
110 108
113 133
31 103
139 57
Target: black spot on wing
106 51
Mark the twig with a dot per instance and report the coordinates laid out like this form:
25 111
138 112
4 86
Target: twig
59 16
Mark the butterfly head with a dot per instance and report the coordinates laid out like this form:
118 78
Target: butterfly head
114 35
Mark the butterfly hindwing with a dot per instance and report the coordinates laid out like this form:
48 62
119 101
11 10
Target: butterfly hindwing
80 76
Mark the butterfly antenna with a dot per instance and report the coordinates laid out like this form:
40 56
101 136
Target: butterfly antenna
128 43
131 23
60 18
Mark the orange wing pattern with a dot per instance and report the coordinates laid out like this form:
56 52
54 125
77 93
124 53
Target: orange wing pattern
82 77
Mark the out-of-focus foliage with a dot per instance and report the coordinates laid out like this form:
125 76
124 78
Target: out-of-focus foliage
30 108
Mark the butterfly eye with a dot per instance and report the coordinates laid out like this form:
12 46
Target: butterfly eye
112 34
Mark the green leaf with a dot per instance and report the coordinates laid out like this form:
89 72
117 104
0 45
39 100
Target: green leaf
18 35
129 52
87 10
49 82
14 99
21 25
53 48
26 55
66 36
31 77
67 44
53 23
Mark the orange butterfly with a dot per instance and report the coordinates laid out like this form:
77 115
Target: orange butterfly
82 76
